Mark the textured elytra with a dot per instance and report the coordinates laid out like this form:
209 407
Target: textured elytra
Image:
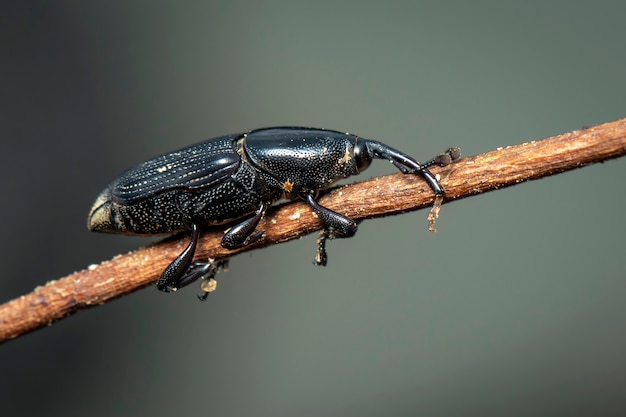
237 195
195 167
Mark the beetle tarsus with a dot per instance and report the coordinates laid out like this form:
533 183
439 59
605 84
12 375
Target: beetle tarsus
321 256
209 283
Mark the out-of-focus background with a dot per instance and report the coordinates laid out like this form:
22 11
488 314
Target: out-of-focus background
515 307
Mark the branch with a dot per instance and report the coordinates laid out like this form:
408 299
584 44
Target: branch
376 197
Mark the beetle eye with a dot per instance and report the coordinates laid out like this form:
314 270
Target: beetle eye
362 156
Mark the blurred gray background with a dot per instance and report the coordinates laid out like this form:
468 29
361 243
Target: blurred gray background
515 307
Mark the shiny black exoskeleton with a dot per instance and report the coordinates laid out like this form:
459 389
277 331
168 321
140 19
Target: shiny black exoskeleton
238 177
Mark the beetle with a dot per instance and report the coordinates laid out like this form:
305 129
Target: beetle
236 178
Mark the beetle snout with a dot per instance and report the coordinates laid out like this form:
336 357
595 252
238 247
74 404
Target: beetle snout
100 219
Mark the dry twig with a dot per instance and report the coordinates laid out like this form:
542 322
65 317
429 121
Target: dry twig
377 197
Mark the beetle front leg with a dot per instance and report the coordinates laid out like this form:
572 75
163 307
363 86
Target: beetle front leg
337 225
243 234
342 226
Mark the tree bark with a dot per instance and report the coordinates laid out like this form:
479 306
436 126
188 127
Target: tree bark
376 197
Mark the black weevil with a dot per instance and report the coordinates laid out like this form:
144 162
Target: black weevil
238 177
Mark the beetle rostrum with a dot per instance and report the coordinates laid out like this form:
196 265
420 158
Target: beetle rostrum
236 178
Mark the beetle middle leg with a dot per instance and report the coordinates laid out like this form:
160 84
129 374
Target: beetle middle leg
244 233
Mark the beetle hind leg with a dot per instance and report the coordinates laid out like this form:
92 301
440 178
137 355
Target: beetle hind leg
177 274
182 272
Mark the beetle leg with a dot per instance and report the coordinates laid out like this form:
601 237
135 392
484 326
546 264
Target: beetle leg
243 234
337 225
342 226
175 275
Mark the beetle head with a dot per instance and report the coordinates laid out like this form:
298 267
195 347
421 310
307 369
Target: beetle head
362 154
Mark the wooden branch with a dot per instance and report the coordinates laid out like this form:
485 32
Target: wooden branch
377 197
